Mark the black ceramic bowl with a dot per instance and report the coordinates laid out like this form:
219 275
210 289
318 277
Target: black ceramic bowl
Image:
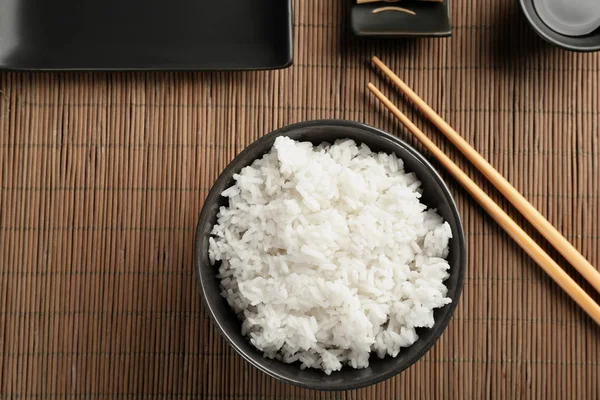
435 195
585 43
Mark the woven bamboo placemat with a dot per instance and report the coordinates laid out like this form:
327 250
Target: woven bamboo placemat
103 177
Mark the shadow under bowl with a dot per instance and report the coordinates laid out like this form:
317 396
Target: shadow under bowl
587 43
435 195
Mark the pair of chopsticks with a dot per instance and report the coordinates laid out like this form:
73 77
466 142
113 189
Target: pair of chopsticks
587 270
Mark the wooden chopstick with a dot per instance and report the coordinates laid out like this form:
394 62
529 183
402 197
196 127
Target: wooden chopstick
560 243
510 226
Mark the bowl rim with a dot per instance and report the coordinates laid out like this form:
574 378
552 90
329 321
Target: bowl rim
535 21
461 264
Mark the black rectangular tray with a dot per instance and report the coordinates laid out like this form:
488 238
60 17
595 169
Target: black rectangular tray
145 34
430 19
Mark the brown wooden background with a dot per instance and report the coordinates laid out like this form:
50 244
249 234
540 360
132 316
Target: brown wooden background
103 176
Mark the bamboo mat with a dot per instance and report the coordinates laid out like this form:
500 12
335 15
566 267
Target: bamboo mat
103 176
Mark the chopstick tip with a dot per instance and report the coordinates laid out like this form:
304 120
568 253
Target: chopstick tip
371 87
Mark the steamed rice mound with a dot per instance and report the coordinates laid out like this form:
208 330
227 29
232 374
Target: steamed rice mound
327 255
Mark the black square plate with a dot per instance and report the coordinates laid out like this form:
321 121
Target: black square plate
145 34
430 19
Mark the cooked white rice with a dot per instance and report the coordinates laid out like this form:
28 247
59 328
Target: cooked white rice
327 254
